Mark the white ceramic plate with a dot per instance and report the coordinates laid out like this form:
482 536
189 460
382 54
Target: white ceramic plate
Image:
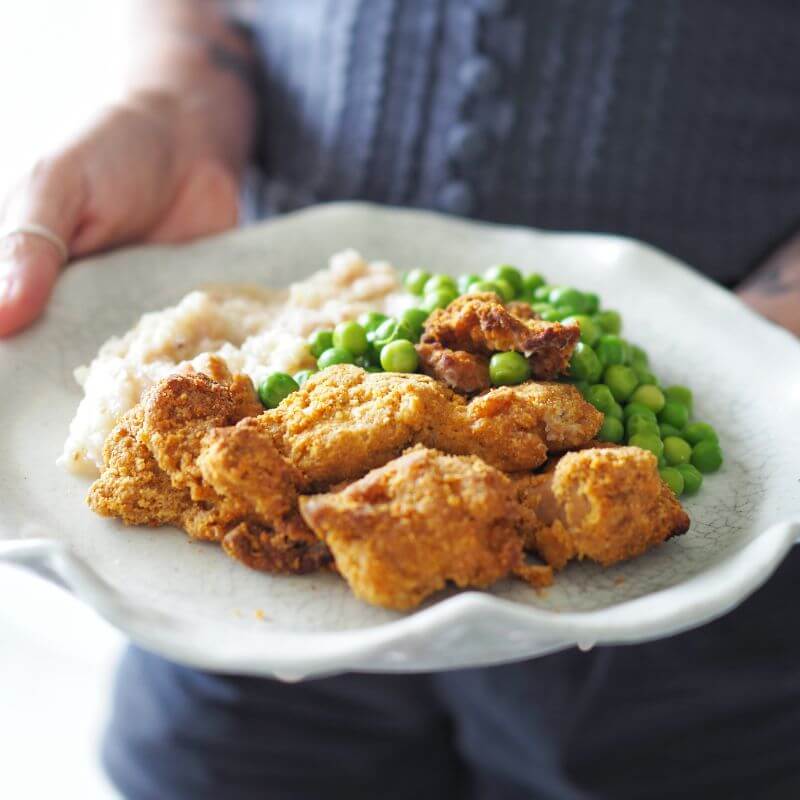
189 602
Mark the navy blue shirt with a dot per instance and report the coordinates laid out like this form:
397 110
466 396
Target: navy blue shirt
670 121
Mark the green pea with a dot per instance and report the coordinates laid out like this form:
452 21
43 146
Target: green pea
566 296
505 289
615 411
707 456
641 425
621 380
591 303
399 356
506 272
648 441
335 355
700 432
581 386
590 333
373 355
438 299
438 282
675 414
531 282
465 281
350 336
415 319
637 357
319 342
370 320
585 365
370 361
677 450
302 376
481 287
275 388
639 410
600 397
611 430
416 279
650 396
609 321
679 394
644 375
508 369
673 479
552 315
692 478
668 430
611 349
542 293
542 308
390 331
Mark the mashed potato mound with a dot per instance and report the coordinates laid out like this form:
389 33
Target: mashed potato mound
254 330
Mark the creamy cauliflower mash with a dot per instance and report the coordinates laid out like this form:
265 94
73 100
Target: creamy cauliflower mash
254 330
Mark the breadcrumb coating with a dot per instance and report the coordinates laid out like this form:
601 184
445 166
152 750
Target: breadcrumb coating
604 504
423 520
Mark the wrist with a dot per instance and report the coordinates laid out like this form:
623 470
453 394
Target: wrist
205 82
187 120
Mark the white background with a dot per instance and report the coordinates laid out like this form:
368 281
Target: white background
59 59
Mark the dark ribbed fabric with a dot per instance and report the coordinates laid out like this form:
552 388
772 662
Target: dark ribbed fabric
675 122
671 121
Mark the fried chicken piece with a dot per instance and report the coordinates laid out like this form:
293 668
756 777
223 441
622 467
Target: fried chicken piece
605 504
345 421
179 411
256 483
460 370
289 548
481 325
512 426
226 485
406 529
132 486
521 310
242 464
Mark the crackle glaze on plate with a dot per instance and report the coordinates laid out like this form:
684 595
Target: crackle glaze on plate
189 602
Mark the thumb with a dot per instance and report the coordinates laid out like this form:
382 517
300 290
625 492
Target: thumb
53 196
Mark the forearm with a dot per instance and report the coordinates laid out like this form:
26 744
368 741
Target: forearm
774 289
198 72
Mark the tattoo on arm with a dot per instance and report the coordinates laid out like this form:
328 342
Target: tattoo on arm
229 60
779 277
240 62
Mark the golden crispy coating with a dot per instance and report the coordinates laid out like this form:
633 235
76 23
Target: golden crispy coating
242 464
406 529
482 325
346 421
521 310
465 372
226 485
605 504
178 412
132 486
513 426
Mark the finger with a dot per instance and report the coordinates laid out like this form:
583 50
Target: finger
52 196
